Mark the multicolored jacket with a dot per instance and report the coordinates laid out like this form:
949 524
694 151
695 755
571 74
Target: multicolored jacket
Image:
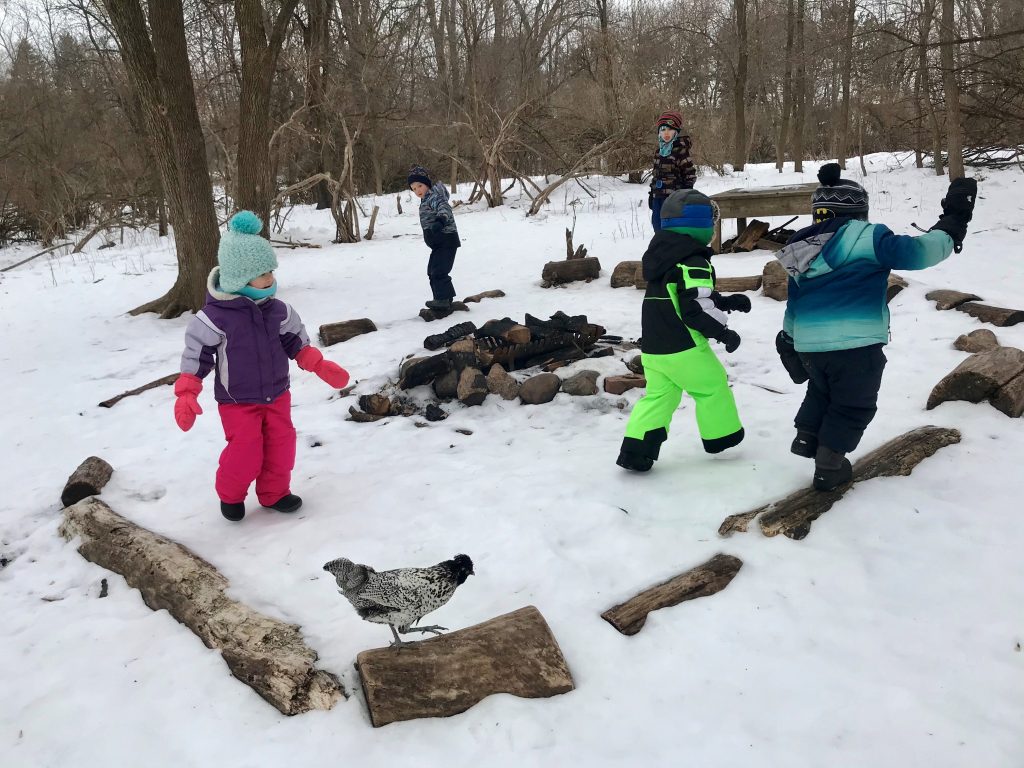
680 309
437 219
839 272
248 344
675 171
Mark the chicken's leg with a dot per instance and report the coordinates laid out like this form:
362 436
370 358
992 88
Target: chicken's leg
437 630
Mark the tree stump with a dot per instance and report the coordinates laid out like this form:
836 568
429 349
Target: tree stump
998 316
560 272
624 273
794 514
266 654
430 315
707 579
443 676
775 281
738 284
945 299
88 480
476 297
981 340
335 333
894 286
979 376
162 381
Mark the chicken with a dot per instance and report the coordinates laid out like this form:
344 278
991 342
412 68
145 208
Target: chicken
400 598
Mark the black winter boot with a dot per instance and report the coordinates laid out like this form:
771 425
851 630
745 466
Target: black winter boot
287 503
804 444
831 469
233 512
442 305
634 461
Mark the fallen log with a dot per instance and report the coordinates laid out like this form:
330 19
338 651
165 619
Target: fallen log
443 676
737 284
423 370
946 299
266 654
1009 398
162 381
625 273
707 579
456 332
560 272
793 515
335 333
88 480
746 241
476 297
998 316
979 376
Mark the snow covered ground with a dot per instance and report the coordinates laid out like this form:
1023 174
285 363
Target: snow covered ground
891 636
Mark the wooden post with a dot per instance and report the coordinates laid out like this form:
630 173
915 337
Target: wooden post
373 222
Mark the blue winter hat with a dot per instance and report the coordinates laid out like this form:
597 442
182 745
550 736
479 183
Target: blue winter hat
420 174
689 212
243 255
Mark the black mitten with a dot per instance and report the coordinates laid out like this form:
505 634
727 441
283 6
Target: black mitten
731 339
957 210
650 200
736 302
790 358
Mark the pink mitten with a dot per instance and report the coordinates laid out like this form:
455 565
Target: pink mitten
311 359
186 407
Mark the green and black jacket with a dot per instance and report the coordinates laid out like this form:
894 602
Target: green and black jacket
680 309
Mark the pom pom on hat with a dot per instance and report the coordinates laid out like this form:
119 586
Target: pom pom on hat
829 174
246 222
242 254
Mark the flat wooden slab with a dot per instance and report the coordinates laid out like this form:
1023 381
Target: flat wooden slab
443 676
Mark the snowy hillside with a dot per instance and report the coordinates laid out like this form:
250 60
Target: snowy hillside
891 636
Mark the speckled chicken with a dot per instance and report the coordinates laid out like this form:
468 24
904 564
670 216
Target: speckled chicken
400 598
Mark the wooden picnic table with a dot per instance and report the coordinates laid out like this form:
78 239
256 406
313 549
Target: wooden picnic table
760 201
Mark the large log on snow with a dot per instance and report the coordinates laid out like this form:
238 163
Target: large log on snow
737 284
999 316
1009 398
558 272
335 333
443 676
706 579
979 377
266 654
947 299
793 515
775 281
88 480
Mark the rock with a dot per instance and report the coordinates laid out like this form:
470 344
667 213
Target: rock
446 386
500 383
377 405
775 281
354 414
981 340
616 385
624 274
435 413
422 370
636 364
894 286
581 384
472 389
638 278
539 389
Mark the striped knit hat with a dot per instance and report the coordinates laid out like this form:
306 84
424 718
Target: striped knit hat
689 212
673 120
838 197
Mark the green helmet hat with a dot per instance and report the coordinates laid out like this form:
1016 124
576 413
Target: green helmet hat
689 212
243 255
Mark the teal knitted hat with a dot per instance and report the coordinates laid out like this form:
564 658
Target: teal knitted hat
243 255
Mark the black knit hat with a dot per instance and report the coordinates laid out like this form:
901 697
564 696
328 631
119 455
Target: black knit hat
838 197
420 174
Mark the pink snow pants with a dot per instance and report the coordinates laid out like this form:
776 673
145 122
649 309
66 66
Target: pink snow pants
261 447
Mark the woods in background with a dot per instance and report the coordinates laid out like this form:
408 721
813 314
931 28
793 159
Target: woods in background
115 112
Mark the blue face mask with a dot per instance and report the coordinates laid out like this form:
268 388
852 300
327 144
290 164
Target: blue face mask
258 293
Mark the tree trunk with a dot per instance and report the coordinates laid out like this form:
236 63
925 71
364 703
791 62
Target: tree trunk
740 88
954 134
159 72
800 88
787 92
924 30
843 133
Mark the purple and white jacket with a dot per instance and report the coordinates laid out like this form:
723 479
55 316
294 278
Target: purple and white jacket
247 343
